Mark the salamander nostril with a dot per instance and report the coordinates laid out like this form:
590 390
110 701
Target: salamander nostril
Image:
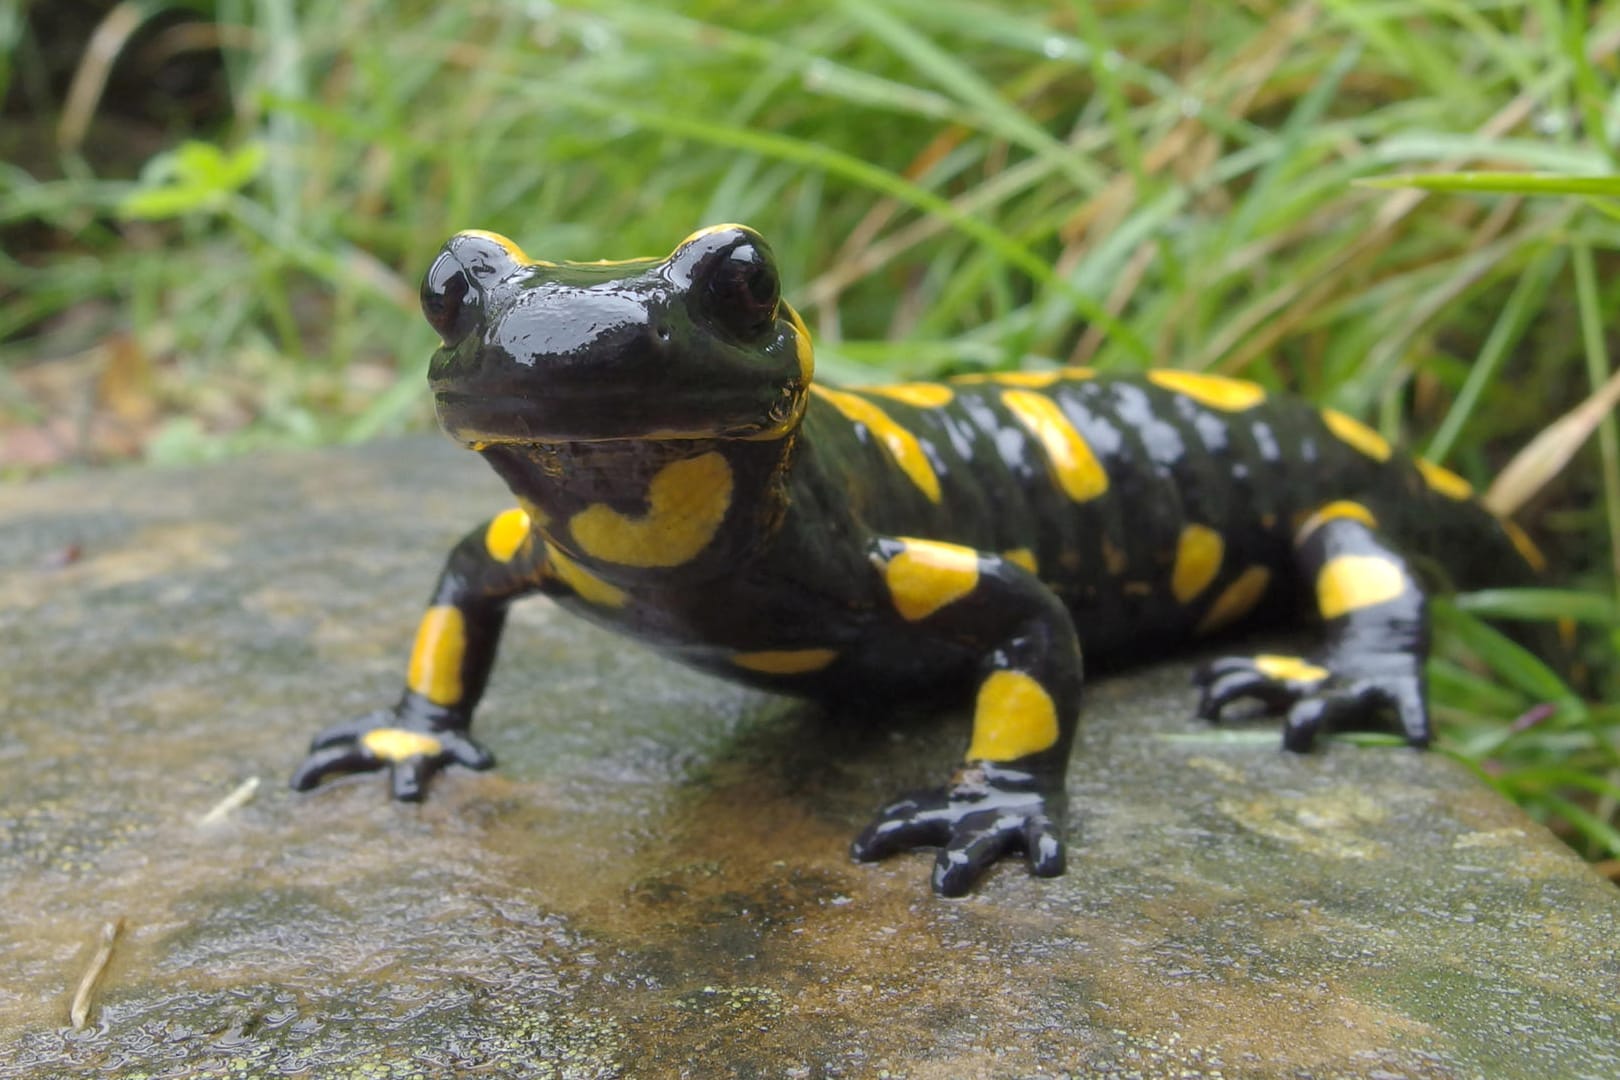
450 301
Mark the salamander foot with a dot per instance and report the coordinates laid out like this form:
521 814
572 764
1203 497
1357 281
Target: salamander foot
1314 697
412 749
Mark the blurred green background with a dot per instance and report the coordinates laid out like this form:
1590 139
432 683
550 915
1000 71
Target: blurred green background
213 217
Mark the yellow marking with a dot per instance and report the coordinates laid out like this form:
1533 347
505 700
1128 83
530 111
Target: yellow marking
397 744
586 585
1443 480
1348 429
1236 600
1216 391
922 395
1288 668
806 350
1333 511
1079 473
506 535
1036 380
926 575
435 668
686 502
901 444
785 661
707 229
506 243
1022 557
1526 546
538 518
1013 717
1199 552
1351 582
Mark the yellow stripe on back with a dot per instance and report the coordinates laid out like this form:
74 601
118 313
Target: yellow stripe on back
1078 472
1441 479
901 444
1216 391
1349 430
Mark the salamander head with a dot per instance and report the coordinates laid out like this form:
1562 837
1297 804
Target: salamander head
698 345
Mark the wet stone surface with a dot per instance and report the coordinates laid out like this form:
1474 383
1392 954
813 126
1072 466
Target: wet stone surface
654 882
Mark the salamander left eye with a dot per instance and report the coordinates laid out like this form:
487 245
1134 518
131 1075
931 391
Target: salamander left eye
744 290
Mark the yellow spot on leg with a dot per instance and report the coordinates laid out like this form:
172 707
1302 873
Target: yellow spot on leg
441 643
926 575
1288 668
1216 391
686 502
922 395
1333 511
1349 583
1349 430
901 444
397 744
1013 717
586 585
1077 469
1198 559
1441 479
1236 600
785 661
506 535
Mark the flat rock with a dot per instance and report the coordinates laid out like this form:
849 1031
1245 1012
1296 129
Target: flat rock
655 881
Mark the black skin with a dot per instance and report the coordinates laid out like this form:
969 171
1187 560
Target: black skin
749 515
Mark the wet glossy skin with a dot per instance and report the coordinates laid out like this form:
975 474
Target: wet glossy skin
680 479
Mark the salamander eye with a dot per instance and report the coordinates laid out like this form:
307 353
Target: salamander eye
743 290
449 300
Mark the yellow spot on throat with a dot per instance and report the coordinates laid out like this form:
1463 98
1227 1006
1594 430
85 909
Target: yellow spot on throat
507 535
901 444
1216 391
436 655
1441 479
1289 668
398 744
586 585
1013 717
926 575
1353 432
1236 600
1078 472
921 395
785 661
1199 552
686 502
1334 511
1349 583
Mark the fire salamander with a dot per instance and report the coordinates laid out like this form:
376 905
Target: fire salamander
680 478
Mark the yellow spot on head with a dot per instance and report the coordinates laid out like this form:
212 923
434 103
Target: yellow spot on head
507 535
1526 546
926 575
1289 668
922 395
586 585
1348 429
1441 479
1236 600
686 502
1022 557
726 226
1216 391
1349 583
785 661
1013 717
901 444
397 744
1199 552
1341 508
1078 471
441 643
806 350
506 243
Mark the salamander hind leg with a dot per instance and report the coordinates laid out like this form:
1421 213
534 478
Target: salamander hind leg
1368 674
1008 794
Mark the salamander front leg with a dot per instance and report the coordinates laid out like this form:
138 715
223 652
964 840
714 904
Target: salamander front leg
1008 794
1369 670
450 664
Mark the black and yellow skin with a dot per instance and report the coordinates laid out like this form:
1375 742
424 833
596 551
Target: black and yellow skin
680 479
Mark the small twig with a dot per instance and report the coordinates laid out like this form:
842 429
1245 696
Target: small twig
79 1013
235 800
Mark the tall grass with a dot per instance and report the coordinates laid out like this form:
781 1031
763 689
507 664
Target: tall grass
947 184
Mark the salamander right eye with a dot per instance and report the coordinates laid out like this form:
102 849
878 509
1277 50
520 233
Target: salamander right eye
449 300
